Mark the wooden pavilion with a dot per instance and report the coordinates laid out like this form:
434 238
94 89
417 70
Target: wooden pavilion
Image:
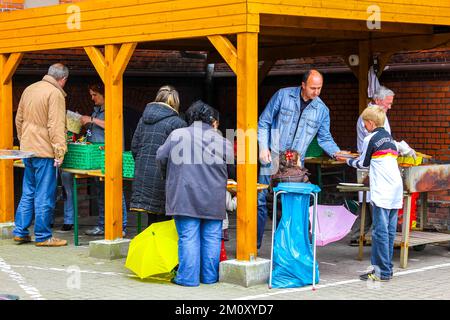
249 35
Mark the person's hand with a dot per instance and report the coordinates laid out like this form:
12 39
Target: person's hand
265 156
57 163
85 120
412 153
338 158
406 150
340 152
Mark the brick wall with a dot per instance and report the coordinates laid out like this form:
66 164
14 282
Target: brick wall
7 5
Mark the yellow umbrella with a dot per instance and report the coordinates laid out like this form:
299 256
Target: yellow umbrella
154 250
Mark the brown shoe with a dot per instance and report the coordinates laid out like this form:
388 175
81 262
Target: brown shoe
52 242
22 240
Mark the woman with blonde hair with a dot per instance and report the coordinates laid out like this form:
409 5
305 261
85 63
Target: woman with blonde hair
159 119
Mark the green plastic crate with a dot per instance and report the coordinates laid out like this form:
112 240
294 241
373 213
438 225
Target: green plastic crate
314 150
127 164
83 156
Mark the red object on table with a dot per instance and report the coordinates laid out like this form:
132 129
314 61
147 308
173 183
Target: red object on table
413 215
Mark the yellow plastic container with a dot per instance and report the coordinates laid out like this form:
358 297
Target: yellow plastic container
409 161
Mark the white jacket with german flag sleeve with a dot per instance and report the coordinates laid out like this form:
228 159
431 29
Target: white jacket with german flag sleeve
379 154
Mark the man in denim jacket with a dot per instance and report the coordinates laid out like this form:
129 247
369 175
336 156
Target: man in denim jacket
291 119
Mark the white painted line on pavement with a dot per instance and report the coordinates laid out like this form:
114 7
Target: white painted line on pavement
331 264
339 283
106 273
17 277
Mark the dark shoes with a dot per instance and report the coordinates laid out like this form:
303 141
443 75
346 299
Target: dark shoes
67 227
21 240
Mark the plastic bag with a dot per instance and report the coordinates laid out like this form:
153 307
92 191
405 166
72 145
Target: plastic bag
73 122
292 252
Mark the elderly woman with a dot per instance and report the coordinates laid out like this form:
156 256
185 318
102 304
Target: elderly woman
195 159
159 119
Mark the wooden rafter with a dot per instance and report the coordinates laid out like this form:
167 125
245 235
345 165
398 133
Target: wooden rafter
226 50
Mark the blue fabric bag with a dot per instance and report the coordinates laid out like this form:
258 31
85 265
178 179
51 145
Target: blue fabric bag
293 254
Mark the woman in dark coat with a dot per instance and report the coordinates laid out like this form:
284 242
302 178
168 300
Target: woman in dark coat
159 119
195 160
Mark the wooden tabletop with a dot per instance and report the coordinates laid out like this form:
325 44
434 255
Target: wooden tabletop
324 161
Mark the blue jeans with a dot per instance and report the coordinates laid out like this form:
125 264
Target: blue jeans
262 209
265 172
383 236
67 181
38 199
199 243
101 206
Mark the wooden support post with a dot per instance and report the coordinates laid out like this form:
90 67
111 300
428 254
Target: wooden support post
226 50
111 68
404 246
364 56
383 59
8 65
247 124
98 60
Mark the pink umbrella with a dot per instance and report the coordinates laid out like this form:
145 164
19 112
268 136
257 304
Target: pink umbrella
333 223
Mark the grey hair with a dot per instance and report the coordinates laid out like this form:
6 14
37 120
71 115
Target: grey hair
58 71
382 93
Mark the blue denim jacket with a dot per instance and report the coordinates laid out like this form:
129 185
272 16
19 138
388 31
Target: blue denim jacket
277 124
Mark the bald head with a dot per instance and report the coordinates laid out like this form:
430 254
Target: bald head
311 84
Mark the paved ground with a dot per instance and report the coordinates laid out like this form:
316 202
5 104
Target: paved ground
68 273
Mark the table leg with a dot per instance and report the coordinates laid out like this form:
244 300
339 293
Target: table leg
319 181
75 211
405 232
139 222
361 229
423 209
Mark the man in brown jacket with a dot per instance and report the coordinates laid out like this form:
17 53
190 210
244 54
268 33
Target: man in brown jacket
40 123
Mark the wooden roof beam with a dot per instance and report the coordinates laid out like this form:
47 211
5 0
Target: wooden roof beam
268 20
308 32
313 50
391 44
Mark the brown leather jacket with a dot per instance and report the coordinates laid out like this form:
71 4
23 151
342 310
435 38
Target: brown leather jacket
41 119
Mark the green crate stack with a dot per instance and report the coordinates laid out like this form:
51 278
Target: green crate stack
83 156
314 150
127 164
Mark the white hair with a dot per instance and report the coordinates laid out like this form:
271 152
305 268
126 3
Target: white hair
58 71
382 93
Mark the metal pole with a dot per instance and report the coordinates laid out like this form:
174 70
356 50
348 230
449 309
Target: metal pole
274 217
314 240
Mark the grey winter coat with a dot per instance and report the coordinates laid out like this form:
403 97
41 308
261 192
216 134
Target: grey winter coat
155 125
194 160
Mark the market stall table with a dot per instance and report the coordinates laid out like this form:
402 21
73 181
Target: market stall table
324 163
413 177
